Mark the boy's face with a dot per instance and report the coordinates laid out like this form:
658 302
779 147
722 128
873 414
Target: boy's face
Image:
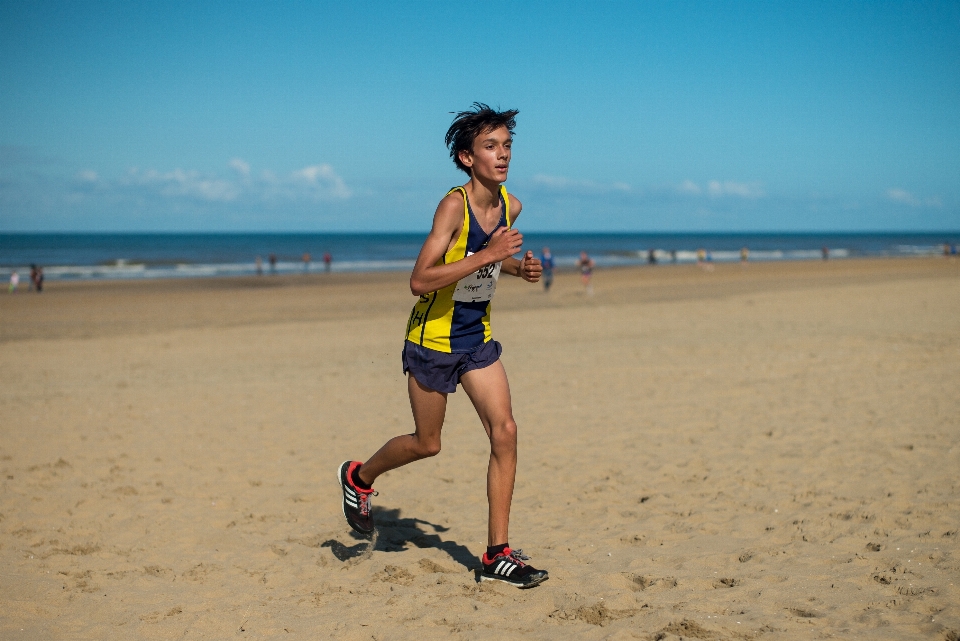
490 158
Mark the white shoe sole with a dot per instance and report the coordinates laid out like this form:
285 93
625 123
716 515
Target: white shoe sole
522 586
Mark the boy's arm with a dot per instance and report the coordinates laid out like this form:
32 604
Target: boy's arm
528 268
428 276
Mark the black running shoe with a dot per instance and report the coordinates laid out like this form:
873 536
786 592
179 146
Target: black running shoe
356 501
509 567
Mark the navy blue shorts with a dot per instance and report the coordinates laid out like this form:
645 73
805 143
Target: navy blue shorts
441 371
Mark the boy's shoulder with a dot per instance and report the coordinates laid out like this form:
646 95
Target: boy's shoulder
453 202
515 205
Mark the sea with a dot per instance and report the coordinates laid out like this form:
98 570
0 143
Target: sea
92 256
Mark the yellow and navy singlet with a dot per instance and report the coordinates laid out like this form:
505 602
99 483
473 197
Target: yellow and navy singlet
441 323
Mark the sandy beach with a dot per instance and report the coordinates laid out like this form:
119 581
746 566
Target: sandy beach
768 451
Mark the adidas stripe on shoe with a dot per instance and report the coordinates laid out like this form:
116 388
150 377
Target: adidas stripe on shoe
509 567
356 501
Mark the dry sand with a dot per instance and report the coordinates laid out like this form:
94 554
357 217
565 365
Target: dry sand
762 452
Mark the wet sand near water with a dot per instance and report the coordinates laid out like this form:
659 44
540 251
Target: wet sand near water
761 451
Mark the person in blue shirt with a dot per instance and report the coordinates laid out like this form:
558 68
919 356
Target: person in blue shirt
546 262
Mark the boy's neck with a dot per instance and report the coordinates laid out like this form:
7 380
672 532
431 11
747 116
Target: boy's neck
482 193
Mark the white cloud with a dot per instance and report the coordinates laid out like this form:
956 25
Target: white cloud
183 184
322 180
717 189
721 188
556 182
310 184
87 176
241 167
559 183
904 197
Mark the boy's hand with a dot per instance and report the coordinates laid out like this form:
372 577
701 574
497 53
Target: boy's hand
530 268
503 244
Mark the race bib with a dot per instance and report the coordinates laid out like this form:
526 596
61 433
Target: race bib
478 286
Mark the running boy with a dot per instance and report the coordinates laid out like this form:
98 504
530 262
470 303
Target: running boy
448 337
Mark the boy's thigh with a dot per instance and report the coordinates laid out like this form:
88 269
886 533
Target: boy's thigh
429 407
489 392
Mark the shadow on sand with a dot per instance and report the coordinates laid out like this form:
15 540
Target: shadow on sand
395 534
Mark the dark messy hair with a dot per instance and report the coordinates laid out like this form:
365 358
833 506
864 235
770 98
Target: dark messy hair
472 123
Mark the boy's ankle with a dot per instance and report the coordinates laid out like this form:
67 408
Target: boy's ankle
359 482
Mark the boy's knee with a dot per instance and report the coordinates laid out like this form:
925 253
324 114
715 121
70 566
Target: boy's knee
427 449
504 435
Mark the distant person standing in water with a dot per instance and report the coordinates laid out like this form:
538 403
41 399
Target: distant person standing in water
744 254
704 259
259 263
546 262
14 281
306 261
825 251
327 259
273 263
586 266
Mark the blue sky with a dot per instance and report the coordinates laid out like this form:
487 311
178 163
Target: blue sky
635 116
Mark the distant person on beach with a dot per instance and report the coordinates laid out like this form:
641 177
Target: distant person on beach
651 257
327 259
825 251
273 263
586 265
744 254
673 255
704 260
33 277
14 281
546 263
38 283
306 261
259 263
448 340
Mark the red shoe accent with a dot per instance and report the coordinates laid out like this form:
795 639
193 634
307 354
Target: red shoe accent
354 465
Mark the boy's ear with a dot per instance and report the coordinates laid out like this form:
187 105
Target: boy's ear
466 157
